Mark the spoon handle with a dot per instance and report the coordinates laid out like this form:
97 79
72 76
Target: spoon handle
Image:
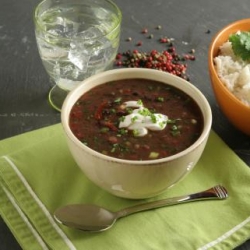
216 192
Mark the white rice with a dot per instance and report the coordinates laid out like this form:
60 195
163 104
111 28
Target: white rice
234 72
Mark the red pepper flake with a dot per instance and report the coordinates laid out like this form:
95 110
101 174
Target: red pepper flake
109 125
144 31
98 113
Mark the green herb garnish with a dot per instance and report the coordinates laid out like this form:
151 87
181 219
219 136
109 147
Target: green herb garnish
162 124
160 99
133 119
123 131
118 100
241 44
114 147
122 119
153 118
174 128
104 130
153 155
136 132
129 110
139 102
144 112
175 132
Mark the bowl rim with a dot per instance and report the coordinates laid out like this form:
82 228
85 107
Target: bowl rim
212 56
145 73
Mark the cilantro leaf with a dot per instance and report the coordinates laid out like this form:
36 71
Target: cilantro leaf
241 44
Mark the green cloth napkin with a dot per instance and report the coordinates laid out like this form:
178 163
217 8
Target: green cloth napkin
38 175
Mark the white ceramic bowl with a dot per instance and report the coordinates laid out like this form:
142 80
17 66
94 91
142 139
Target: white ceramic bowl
135 179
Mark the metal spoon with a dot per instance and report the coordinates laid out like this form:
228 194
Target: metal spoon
93 218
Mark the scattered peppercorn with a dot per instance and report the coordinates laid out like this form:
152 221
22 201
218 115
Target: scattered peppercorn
158 27
164 40
167 60
208 31
129 39
171 49
164 61
118 56
139 43
170 44
118 63
191 57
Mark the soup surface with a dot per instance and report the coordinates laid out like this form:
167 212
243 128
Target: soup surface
136 119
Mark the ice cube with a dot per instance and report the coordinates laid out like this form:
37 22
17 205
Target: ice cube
79 55
88 47
90 33
49 51
62 27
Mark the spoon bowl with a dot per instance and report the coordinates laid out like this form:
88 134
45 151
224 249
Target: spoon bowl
86 217
92 218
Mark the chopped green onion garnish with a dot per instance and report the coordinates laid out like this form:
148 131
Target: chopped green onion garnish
104 130
160 99
175 133
118 100
144 112
139 102
174 128
153 155
135 132
153 118
123 131
133 119
122 118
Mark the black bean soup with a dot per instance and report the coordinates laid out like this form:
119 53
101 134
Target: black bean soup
136 119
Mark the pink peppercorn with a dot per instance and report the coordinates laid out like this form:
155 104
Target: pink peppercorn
192 57
118 56
171 49
164 40
139 43
118 63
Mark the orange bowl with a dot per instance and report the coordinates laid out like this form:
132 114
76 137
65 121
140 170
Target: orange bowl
236 112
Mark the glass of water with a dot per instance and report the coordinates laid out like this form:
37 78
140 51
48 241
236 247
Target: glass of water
76 39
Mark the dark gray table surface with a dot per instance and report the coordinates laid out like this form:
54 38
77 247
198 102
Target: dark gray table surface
24 85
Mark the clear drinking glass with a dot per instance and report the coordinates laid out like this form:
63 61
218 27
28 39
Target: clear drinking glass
76 39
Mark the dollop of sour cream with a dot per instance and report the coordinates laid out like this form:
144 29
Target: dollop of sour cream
140 120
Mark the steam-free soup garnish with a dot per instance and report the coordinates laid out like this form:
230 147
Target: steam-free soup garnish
136 119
